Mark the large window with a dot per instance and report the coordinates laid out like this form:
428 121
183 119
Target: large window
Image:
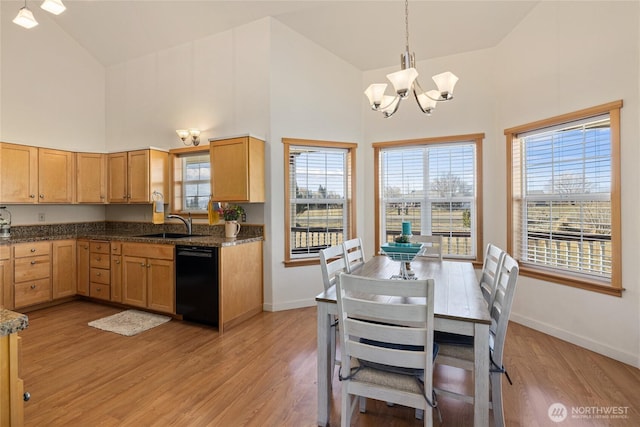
436 185
564 184
191 180
318 197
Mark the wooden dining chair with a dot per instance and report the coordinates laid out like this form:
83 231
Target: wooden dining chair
432 246
354 253
387 347
332 263
462 356
493 258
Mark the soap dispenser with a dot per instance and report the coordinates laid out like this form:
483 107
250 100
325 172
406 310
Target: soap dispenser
5 222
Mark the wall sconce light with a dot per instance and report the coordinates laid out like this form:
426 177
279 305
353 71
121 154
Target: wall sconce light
193 133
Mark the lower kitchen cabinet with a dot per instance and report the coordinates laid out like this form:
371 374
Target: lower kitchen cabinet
11 386
148 276
31 273
63 268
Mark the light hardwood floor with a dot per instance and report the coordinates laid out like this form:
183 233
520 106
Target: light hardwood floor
263 373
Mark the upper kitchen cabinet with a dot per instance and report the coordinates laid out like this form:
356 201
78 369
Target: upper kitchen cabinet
35 175
18 173
55 176
237 169
135 175
91 178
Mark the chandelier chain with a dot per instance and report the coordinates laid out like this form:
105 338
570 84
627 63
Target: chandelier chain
406 22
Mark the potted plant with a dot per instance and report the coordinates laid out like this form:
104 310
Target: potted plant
231 214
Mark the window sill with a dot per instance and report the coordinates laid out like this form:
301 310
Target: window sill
568 280
301 262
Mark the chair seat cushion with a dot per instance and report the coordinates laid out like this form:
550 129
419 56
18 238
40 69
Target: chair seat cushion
385 377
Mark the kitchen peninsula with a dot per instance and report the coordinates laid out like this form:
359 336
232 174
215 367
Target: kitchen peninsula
101 261
11 386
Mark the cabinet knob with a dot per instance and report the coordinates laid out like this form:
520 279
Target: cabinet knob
117 261
33 286
33 249
33 263
98 258
142 264
42 196
26 396
98 274
33 196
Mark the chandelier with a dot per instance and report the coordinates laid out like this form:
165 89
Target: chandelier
405 81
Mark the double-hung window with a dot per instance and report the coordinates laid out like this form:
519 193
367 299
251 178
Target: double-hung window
564 219
191 180
435 184
318 197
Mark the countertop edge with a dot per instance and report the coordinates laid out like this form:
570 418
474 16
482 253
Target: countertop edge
12 322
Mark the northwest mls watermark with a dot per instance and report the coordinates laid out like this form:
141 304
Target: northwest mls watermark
558 412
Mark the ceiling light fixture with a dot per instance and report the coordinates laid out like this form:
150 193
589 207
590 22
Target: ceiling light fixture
405 81
184 134
53 6
25 17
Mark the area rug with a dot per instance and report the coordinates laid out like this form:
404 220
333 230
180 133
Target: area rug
130 322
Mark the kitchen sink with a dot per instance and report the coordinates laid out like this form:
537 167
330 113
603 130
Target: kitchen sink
169 235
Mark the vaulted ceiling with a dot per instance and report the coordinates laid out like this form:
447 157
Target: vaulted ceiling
367 34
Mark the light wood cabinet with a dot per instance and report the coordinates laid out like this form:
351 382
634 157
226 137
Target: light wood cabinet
11 385
148 276
18 173
134 175
55 176
31 273
82 267
6 294
237 169
241 283
63 268
100 269
35 175
91 178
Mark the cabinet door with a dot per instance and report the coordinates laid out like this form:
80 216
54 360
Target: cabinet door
82 267
18 173
6 297
161 285
55 176
116 278
134 281
64 271
117 181
138 177
90 178
229 162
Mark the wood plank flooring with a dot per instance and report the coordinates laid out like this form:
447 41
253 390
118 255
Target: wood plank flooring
263 373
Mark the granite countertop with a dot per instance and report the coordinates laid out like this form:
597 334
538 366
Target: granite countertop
12 322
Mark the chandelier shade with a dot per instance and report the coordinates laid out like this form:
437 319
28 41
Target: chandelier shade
405 81
53 6
25 18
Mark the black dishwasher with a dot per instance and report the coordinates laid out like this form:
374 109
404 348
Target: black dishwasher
197 284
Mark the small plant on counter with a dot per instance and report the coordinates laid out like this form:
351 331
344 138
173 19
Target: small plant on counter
232 212
402 239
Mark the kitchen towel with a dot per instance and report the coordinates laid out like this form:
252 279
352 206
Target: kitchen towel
158 212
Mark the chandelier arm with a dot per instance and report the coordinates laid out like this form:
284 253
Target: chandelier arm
389 114
415 95
382 107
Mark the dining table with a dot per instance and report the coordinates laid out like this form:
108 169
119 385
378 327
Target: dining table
459 307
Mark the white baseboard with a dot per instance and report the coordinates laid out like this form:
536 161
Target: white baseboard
289 305
589 344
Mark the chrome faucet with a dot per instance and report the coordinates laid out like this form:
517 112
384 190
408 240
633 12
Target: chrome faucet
187 222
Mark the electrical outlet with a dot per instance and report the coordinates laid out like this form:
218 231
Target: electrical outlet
41 217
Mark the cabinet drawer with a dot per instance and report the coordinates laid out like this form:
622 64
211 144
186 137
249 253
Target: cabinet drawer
146 250
32 292
100 291
31 249
116 248
99 247
98 260
31 268
99 275
5 251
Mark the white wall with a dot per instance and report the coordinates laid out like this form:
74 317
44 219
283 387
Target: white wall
52 96
314 95
563 57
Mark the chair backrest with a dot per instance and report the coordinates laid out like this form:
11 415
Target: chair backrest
432 245
500 309
332 263
493 259
368 316
354 253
